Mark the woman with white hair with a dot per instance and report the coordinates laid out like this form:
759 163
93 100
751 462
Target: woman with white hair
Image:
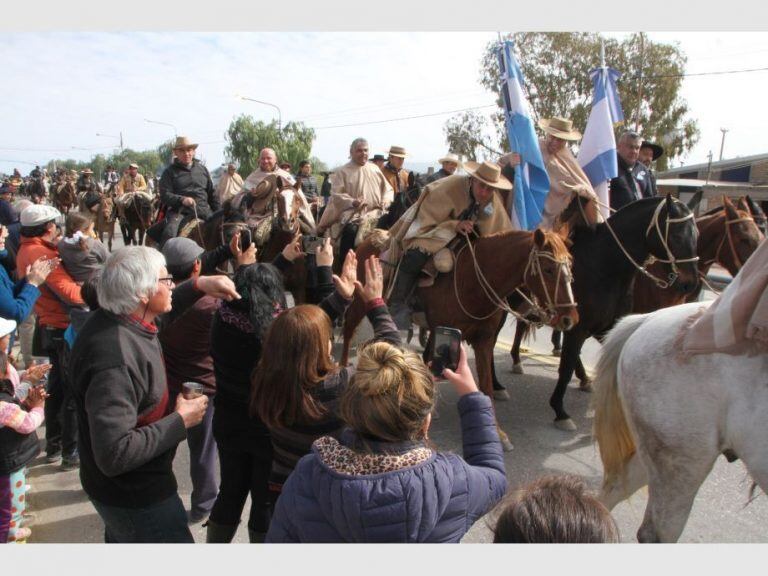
128 432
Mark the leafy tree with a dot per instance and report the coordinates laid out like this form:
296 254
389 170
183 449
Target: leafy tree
464 135
556 68
246 137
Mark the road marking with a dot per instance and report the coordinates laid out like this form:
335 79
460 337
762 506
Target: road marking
545 358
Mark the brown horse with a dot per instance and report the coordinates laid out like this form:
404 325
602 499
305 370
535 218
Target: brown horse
64 197
104 222
138 215
468 298
726 235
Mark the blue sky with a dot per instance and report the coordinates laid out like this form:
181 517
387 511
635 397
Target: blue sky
66 87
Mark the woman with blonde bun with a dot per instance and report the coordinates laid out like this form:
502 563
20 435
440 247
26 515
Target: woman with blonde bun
382 480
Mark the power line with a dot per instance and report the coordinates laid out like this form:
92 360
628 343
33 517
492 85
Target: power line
406 117
702 73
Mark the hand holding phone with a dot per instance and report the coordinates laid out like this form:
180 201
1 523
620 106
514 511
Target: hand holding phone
447 343
245 239
309 244
462 379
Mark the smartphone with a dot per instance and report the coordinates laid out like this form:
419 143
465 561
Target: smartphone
447 343
309 244
245 239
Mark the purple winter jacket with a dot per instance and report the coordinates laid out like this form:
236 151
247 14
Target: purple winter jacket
436 500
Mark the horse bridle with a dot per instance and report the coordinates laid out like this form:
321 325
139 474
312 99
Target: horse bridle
672 260
563 270
534 263
729 236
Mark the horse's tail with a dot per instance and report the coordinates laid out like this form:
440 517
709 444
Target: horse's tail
610 428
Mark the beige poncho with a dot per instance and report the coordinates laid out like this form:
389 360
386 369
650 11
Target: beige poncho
354 182
430 224
229 186
566 178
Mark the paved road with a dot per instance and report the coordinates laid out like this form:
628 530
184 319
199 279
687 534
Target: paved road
719 515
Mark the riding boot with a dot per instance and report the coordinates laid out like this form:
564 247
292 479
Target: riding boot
255 537
219 533
410 266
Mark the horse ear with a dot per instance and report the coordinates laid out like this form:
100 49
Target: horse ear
279 182
694 202
539 238
730 209
669 203
741 204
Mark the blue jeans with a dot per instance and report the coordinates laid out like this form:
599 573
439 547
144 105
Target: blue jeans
163 523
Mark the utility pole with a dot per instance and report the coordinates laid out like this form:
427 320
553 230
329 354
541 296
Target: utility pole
722 142
121 141
639 83
709 166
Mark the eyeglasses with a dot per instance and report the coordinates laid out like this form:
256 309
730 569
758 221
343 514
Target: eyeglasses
168 281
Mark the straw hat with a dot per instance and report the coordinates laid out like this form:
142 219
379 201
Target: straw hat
398 151
560 127
450 157
87 171
182 143
657 150
133 165
488 173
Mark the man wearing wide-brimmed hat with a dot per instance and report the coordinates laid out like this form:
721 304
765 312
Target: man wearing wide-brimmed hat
449 164
458 204
379 160
186 190
87 183
649 153
566 178
130 184
393 170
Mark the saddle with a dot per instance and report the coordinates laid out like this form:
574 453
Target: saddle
187 229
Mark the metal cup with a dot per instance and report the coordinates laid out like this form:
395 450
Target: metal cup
191 390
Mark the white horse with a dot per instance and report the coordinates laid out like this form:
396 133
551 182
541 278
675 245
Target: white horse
663 422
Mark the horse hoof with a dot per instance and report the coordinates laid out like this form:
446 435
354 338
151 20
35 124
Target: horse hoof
517 369
567 425
506 444
586 386
556 351
501 395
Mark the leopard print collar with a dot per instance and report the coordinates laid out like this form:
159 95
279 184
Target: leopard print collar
344 460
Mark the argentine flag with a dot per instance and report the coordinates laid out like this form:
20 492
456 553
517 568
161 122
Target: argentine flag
597 155
531 179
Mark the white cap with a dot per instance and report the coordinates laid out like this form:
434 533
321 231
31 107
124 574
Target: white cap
38 214
6 327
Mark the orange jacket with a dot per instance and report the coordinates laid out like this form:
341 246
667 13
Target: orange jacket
58 288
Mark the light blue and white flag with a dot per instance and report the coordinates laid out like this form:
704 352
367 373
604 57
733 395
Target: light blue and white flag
597 155
531 179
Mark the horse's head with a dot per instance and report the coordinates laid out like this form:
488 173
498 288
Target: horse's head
288 205
749 205
144 209
739 237
672 238
548 277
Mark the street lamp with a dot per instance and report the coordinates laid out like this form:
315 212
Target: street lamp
175 132
110 136
722 142
279 115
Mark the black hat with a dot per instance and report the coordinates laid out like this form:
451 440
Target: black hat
377 157
657 150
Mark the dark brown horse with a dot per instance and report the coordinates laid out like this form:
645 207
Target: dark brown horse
727 236
605 262
138 214
468 297
64 197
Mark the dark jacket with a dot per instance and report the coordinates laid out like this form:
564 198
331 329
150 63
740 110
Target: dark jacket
630 185
128 433
236 349
179 181
437 175
8 214
308 186
16 450
435 500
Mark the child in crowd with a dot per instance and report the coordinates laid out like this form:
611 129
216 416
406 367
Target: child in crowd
554 510
21 412
81 253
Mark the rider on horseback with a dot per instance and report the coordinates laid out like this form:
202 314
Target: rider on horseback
359 194
130 184
186 189
89 188
453 205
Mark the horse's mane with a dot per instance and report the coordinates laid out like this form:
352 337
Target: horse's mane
552 239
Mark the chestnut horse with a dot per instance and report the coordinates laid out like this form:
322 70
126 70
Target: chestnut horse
64 197
726 235
469 297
